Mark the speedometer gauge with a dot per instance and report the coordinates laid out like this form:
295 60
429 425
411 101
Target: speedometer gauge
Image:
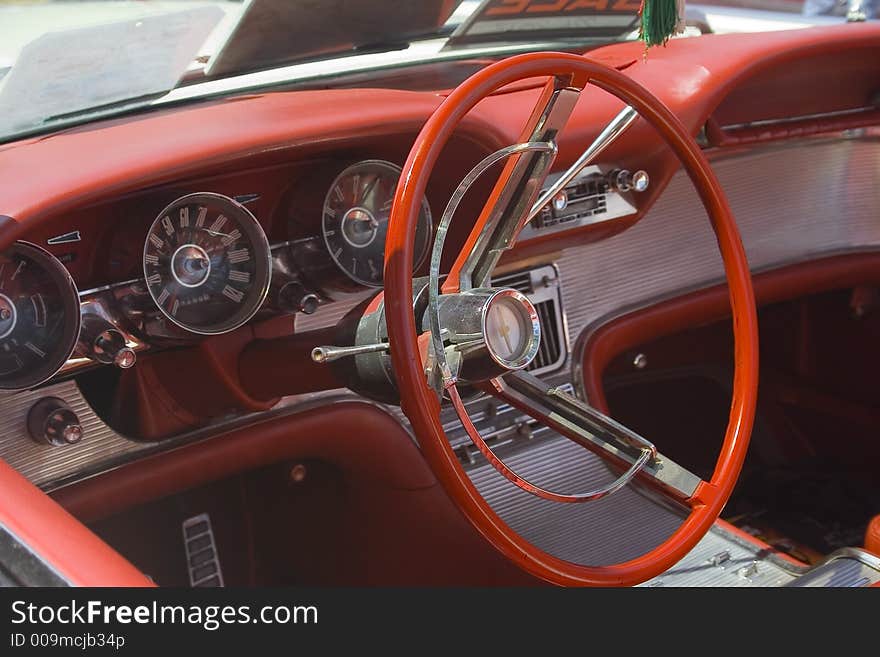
39 316
355 220
207 263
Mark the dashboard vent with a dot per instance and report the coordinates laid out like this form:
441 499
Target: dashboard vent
541 286
520 281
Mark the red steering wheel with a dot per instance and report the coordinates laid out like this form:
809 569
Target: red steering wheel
568 74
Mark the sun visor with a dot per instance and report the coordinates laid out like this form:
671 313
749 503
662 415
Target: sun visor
541 20
274 32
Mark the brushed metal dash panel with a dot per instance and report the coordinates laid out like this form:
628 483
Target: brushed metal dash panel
45 463
791 203
616 528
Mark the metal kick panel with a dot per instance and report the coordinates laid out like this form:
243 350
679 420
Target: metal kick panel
613 529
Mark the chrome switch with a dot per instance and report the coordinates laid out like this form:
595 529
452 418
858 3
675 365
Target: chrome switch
104 343
52 421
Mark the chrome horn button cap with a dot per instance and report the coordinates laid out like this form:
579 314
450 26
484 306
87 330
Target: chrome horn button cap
511 329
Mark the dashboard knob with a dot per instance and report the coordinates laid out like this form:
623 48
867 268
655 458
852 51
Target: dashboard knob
293 297
51 421
560 201
104 343
623 180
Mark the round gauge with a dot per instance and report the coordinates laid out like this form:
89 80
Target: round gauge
355 220
207 263
39 316
511 329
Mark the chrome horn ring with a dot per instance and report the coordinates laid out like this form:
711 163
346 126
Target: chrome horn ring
439 370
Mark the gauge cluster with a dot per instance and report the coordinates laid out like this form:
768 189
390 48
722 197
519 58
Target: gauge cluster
39 316
355 220
207 264
205 267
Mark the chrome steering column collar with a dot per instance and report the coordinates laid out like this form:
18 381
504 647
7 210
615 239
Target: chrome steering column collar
491 332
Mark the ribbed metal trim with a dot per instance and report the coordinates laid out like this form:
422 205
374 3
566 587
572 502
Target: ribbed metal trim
791 204
613 529
845 568
706 565
44 463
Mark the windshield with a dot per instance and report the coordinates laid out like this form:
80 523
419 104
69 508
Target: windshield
70 61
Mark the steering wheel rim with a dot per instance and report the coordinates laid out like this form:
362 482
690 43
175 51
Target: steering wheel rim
419 401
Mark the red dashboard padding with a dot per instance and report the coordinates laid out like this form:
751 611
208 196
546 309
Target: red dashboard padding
60 539
358 437
54 173
398 527
872 536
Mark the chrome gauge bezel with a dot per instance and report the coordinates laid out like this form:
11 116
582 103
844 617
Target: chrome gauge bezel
262 256
531 328
70 298
348 171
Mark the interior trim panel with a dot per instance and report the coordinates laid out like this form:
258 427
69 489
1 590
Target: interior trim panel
821 202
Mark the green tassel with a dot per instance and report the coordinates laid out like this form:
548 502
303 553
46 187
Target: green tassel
659 20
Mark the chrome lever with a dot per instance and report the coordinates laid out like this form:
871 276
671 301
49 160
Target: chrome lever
329 353
612 131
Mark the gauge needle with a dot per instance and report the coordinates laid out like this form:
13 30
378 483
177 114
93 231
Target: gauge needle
214 233
505 333
369 188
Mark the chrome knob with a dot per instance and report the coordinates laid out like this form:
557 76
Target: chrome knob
104 343
52 421
623 180
560 201
640 181
293 297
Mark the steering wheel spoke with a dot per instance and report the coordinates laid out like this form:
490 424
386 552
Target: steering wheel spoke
523 483
592 429
510 204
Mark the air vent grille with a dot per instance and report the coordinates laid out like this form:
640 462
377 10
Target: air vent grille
541 286
520 281
549 350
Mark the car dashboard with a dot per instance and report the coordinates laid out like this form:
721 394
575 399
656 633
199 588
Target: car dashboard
174 287
270 249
